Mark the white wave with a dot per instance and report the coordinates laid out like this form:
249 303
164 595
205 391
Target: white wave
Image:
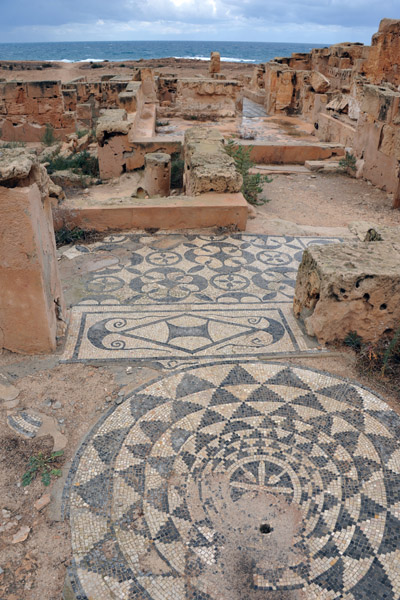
223 59
91 60
63 60
238 60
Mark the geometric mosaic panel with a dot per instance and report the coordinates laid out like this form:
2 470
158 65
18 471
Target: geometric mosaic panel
182 333
186 298
239 480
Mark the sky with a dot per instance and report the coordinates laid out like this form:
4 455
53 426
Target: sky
319 21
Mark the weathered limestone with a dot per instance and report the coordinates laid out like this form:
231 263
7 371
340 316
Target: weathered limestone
215 63
31 302
157 175
349 287
199 97
279 82
383 61
27 107
175 212
111 133
208 168
319 82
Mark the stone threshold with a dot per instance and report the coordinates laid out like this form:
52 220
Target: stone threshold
174 212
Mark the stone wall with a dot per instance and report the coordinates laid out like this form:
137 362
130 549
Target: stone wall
384 56
201 98
119 150
348 91
32 311
27 107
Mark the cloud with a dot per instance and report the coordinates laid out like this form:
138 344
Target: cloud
325 21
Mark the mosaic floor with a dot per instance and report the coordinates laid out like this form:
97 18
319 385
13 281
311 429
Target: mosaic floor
239 481
189 298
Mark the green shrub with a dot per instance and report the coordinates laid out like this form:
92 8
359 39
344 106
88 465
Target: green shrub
48 138
81 132
348 162
12 144
177 166
252 182
42 464
80 163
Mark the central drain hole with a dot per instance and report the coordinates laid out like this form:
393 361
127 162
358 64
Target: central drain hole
265 528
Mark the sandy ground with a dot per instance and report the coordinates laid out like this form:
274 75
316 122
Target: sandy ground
67 71
73 397
300 202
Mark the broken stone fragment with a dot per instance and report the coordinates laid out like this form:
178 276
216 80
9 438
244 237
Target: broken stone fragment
42 502
8 391
15 164
319 82
20 167
21 535
112 122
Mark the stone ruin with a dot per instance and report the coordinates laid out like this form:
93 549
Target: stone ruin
348 287
349 93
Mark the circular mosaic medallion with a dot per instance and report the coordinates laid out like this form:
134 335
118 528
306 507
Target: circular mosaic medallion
239 481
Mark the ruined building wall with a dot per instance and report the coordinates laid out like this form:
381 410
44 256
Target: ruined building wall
332 88
26 108
201 98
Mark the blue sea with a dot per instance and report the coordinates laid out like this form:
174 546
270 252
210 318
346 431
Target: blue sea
251 52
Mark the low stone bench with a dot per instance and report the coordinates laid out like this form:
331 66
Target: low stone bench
349 287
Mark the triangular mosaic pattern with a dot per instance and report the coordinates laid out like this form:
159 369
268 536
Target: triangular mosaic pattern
169 508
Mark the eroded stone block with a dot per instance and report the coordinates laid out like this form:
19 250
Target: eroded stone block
208 168
349 287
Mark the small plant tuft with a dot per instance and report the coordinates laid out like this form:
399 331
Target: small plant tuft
81 132
252 182
348 162
73 236
380 360
12 144
48 138
43 464
177 167
353 340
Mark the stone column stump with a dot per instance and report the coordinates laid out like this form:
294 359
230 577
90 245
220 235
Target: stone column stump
215 63
157 174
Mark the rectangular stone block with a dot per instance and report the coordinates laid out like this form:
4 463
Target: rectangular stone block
44 89
349 287
208 168
380 103
30 294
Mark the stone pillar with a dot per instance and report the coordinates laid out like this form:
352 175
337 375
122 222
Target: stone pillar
31 302
215 63
157 175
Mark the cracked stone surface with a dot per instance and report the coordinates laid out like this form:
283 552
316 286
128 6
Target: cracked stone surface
233 481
